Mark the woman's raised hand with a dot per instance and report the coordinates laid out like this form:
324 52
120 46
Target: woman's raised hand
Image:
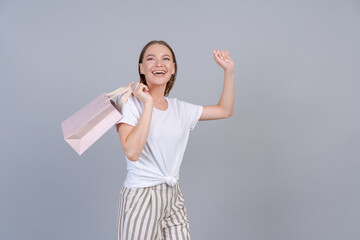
223 59
141 91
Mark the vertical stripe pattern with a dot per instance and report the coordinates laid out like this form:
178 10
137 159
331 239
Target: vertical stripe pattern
151 213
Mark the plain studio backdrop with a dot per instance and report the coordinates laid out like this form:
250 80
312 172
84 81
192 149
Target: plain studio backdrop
285 166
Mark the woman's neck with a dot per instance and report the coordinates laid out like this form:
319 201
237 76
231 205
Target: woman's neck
157 93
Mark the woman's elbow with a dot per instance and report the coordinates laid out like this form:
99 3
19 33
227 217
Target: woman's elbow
132 156
228 114
225 112
133 159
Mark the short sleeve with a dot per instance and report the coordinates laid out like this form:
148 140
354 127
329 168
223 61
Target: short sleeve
129 111
193 113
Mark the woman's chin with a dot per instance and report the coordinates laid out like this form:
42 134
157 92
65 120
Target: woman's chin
157 81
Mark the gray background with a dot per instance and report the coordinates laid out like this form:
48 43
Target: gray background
285 166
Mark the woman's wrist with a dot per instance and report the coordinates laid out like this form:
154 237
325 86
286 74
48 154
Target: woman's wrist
149 103
229 71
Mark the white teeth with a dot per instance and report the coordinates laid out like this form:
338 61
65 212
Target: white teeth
158 72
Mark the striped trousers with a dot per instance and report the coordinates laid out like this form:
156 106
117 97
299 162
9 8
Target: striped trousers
155 212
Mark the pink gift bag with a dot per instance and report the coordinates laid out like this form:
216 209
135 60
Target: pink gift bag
91 122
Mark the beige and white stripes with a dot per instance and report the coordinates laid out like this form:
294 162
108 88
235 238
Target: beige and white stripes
155 212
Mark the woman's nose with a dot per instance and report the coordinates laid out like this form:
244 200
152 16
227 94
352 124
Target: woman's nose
158 63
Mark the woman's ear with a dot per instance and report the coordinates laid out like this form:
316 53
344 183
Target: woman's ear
141 68
173 72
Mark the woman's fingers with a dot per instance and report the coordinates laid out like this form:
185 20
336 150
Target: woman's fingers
140 87
219 54
222 54
215 54
222 58
146 88
225 55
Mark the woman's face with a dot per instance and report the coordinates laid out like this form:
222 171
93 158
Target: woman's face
157 65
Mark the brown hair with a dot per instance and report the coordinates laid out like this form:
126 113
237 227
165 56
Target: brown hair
171 82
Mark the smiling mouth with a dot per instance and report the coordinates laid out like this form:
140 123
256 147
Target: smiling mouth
158 73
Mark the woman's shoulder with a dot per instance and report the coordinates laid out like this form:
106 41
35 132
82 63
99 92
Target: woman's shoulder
182 104
133 100
132 103
180 101
175 101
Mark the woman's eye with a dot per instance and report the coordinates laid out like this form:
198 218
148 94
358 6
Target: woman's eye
149 59
167 59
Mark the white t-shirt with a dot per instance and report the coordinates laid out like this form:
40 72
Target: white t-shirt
161 157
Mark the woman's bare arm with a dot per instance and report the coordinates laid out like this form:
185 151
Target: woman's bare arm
225 106
132 138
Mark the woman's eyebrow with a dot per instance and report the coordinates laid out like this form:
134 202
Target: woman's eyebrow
161 56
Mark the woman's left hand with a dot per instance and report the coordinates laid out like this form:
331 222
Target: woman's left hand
223 59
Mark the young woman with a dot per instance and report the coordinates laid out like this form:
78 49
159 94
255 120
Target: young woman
154 132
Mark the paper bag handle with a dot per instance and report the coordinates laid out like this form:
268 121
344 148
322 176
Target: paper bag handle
123 90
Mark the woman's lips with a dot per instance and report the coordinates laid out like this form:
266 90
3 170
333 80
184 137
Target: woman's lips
159 73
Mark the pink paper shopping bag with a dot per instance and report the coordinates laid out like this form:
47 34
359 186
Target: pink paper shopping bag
91 122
